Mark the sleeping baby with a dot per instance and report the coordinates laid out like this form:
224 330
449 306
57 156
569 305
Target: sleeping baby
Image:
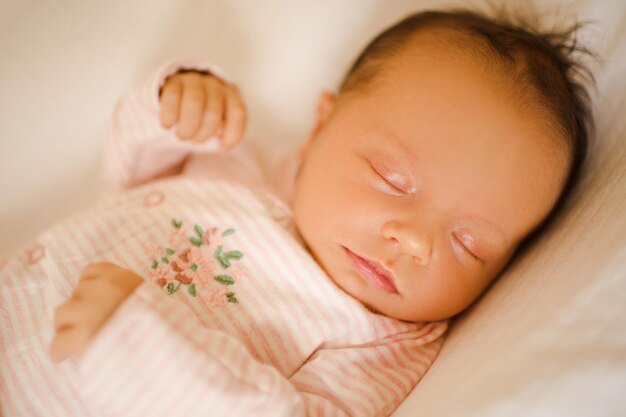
199 288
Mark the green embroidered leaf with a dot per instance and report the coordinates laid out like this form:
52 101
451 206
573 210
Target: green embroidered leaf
231 298
199 231
170 288
233 254
192 289
154 264
224 279
228 232
164 260
224 262
169 251
218 256
195 241
177 223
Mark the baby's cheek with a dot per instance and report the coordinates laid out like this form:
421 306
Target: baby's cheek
463 286
439 290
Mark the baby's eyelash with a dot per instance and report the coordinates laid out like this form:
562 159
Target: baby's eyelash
389 183
466 249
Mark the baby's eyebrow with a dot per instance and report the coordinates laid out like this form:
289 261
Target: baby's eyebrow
399 149
394 143
492 235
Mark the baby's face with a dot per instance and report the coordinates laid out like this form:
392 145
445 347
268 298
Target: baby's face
434 176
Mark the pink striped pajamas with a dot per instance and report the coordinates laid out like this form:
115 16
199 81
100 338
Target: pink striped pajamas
235 317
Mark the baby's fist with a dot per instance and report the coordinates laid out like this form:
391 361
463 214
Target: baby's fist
202 106
101 289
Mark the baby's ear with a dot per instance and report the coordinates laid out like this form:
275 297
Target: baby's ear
325 105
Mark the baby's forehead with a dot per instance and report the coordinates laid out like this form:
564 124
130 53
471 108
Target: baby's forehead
426 66
440 58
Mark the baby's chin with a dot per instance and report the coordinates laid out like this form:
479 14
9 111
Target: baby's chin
370 308
356 288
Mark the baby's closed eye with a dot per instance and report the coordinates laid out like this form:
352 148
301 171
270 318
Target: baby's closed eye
395 181
466 244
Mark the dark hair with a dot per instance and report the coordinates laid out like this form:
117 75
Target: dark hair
548 63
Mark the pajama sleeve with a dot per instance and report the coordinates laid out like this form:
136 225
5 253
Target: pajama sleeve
137 147
154 358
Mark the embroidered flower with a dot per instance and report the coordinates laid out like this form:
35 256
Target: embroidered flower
160 275
191 261
215 296
176 238
179 265
198 266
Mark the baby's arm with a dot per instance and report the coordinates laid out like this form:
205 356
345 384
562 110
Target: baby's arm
181 109
153 356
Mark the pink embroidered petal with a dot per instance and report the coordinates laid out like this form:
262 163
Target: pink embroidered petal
183 278
198 267
161 275
216 296
176 238
184 255
213 238
160 272
153 250
178 265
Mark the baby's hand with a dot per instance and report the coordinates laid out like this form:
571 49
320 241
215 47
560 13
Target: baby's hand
101 289
202 105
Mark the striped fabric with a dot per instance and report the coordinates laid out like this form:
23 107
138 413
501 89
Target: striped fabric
259 331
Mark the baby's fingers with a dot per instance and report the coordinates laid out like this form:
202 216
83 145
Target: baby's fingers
68 342
170 102
213 111
191 106
65 327
235 120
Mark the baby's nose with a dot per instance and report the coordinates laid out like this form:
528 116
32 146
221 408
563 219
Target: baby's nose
411 240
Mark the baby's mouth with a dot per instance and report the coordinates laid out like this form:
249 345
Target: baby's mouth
372 271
